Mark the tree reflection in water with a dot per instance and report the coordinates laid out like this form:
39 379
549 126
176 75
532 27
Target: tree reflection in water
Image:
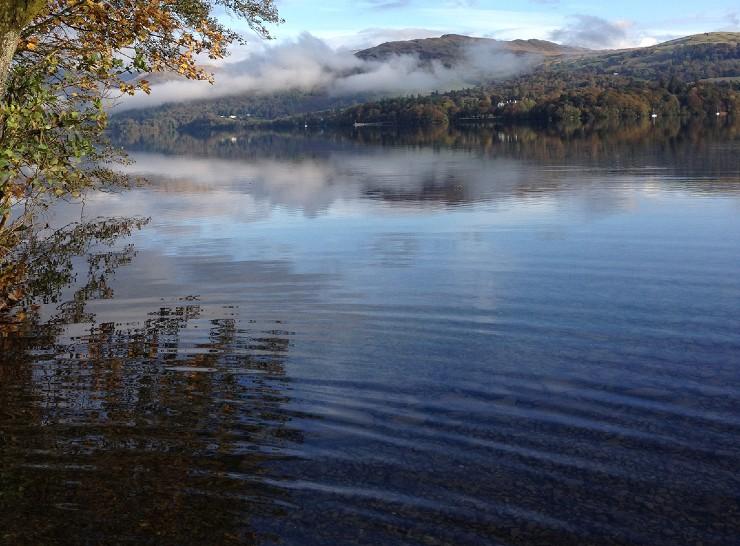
159 430
497 334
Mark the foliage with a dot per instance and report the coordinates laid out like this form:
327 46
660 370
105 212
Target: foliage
531 99
70 58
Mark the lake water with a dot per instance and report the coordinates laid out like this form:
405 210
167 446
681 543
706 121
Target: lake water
478 336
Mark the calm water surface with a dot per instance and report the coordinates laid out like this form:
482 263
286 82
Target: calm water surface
497 336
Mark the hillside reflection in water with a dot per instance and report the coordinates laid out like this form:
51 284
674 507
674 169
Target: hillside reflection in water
490 335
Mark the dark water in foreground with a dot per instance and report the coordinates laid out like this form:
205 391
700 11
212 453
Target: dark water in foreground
486 337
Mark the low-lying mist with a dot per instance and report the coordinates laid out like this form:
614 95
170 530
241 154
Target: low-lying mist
309 64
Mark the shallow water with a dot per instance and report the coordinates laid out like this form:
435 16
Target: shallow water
493 336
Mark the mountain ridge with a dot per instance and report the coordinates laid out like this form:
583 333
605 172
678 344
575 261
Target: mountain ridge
451 48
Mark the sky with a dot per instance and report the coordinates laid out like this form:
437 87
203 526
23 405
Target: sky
356 24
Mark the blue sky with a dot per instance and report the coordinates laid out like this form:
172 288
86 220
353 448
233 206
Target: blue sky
360 23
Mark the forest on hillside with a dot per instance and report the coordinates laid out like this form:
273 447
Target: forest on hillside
694 76
542 99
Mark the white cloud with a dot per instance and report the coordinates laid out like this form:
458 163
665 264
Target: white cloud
309 63
597 33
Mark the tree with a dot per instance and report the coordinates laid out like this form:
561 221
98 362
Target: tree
107 38
60 60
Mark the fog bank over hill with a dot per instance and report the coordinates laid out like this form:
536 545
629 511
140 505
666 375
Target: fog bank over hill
308 82
310 64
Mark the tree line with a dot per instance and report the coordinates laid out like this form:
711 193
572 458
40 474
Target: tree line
537 99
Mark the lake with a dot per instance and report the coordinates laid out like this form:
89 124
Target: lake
492 335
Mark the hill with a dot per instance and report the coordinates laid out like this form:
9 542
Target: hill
692 58
701 39
451 49
691 75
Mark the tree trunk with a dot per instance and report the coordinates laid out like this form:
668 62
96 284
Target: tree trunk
9 39
14 16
